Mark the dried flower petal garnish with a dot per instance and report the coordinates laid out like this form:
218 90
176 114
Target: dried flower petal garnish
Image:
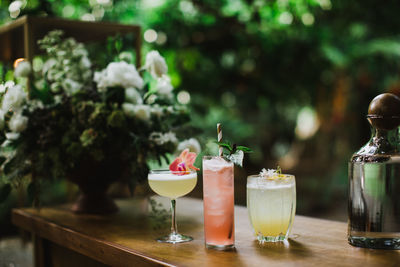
184 163
271 173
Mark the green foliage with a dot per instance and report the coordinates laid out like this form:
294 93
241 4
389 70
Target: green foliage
159 217
96 128
233 148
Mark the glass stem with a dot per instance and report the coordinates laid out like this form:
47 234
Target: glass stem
174 229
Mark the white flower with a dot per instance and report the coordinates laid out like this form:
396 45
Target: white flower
58 99
55 87
61 53
142 112
192 144
48 65
15 8
13 98
270 173
71 86
6 85
133 96
160 138
79 51
35 104
170 137
18 123
85 63
139 111
125 56
100 80
23 69
157 111
118 74
164 86
156 137
170 109
9 84
155 64
12 136
129 109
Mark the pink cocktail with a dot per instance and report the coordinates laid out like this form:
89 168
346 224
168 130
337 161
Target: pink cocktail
218 194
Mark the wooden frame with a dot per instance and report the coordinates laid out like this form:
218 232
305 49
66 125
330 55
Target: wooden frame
18 39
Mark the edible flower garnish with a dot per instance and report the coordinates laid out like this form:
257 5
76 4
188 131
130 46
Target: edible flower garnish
184 163
271 173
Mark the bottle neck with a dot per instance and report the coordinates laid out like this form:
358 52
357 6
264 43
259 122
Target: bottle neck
380 148
385 141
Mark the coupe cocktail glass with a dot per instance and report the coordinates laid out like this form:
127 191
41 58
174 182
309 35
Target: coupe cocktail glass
271 204
218 194
173 184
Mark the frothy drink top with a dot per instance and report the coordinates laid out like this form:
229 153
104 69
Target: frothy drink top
216 164
170 176
257 182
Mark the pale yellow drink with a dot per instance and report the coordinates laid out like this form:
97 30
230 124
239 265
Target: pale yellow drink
172 185
271 203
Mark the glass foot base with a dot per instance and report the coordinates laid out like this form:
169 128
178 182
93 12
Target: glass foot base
379 243
174 238
220 247
264 239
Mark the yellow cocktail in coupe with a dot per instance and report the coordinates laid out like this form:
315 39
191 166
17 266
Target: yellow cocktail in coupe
168 184
271 204
179 180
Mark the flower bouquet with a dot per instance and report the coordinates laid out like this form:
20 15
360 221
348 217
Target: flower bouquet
90 127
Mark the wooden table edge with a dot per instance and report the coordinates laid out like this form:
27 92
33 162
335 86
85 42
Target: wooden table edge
58 234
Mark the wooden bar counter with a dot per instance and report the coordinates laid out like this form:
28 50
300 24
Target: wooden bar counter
128 239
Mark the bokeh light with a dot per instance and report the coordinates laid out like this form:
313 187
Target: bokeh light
325 4
150 36
37 64
307 123
307 19
161 38
183 97
68 11
286 18
228 99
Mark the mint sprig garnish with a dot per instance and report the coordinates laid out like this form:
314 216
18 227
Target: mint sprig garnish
233 148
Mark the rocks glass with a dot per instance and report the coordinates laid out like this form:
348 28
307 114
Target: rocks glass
271 204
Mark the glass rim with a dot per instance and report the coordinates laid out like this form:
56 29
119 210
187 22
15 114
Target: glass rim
167 171
213 157
258 176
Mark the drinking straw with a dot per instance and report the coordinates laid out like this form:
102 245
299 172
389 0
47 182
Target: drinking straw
219 131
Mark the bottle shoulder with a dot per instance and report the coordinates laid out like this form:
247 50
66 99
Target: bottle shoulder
376 151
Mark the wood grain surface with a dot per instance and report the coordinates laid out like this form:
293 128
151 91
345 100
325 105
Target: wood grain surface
128 239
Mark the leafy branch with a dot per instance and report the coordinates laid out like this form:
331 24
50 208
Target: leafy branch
233 148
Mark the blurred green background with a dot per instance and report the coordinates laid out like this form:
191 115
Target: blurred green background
292 79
